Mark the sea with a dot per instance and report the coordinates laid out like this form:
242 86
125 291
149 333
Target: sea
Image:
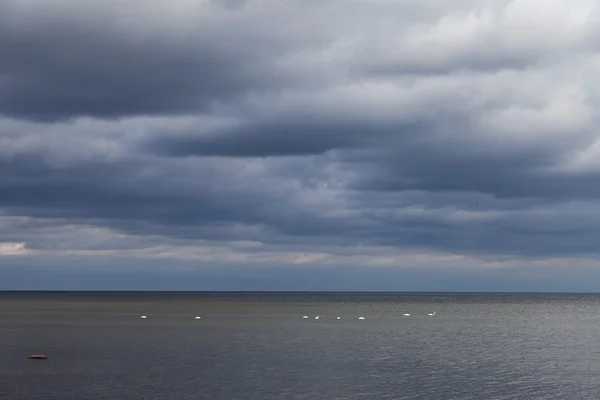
258 346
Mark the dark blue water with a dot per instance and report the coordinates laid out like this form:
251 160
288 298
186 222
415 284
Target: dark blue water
258 346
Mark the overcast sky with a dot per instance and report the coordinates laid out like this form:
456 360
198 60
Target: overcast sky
300 145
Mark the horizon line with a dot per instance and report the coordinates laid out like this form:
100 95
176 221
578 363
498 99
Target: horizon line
282 291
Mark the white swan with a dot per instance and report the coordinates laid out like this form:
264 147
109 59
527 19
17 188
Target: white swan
317 317
197 318
338 318
361 317
306 316
143 317
431 314
406 314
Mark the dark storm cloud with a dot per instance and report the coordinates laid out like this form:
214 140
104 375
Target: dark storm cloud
326 128
112 191
278 138
110 81
79 62
462 169
178 203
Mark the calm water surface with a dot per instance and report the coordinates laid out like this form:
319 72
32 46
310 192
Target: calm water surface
257 346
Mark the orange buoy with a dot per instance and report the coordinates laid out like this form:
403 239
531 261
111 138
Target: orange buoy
38 357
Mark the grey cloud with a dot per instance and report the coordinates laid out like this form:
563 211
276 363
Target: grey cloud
82 62
230 4
123 81
335 129
194 206
290 137
105 60
510 176
112 191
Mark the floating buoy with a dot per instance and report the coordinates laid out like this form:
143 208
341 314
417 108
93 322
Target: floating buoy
143 317
38 357
338 318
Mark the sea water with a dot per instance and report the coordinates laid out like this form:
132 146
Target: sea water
259 346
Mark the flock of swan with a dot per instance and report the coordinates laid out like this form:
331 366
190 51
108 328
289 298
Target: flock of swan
431 314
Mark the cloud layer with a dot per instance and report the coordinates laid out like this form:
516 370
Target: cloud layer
458 136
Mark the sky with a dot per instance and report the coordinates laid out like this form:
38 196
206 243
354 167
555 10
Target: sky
360 145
